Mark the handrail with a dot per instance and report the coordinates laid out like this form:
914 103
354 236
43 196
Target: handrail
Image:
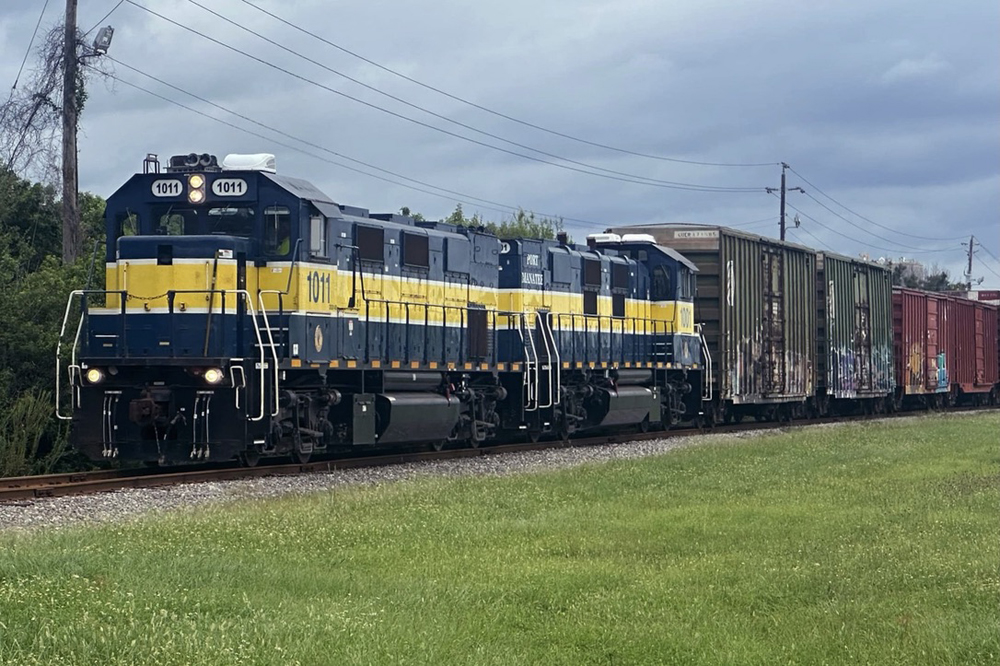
245 294
406 305
76 341
540 324
274 351
530 363
707 385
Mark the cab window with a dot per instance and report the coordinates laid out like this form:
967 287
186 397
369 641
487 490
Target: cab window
662 288
176 222
686 284
127 224
277 231
231 221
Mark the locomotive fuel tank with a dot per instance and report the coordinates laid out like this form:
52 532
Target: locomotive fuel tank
416 417
624 405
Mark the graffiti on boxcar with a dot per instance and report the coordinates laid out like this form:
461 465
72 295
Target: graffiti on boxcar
843 366
798 373
882 377
942 372
914 366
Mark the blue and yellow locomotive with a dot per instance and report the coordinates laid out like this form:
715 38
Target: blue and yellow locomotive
247 314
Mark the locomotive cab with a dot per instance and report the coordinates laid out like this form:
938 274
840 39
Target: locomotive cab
667 288
176 345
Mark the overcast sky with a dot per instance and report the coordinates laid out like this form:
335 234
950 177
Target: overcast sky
890 107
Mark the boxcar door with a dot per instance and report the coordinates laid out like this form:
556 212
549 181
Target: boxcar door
774 319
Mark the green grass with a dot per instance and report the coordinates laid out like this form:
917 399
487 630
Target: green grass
857 544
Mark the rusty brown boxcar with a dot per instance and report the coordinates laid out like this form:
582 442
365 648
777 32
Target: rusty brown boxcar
945 348
756 302
973 371
854 334
922 337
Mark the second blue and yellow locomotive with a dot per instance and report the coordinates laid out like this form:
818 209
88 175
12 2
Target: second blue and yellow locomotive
247 314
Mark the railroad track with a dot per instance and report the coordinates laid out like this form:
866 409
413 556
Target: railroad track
27 488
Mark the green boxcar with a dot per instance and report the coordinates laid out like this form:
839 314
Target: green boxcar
854 300
756 302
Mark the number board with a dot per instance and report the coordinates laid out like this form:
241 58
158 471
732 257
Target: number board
167 188
229 187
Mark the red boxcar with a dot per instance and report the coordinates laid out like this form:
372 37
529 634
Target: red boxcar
945 347
974 369
921 337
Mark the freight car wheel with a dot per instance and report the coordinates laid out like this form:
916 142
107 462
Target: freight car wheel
438 444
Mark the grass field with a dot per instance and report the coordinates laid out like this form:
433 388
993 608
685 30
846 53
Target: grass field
875 543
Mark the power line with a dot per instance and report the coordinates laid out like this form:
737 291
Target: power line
987 267
816 238
455 122
882 226
983 247
872 233
649 182
113 9
441 116
30 44
13 88
498 113
463 198
753 223
855 240
24 60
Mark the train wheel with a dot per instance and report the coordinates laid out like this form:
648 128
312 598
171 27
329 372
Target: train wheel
250 457
438 444
301 450
533 435
644 425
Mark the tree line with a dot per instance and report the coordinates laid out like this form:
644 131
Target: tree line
34 287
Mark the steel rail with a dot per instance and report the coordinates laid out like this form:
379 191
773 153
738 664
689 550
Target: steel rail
27 488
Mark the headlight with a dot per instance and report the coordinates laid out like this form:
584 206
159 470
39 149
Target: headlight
94 376
213 375
196 188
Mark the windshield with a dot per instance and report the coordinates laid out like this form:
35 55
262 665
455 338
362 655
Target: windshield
227 221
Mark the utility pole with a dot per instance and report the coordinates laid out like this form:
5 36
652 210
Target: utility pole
70 207
770 190
968 272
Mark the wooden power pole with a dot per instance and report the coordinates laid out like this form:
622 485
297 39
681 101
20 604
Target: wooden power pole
70 205
782 190
968 272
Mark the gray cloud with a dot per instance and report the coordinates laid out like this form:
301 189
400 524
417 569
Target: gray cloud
892 108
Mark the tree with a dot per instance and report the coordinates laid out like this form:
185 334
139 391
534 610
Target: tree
30 228
523 224
34 287
31 122
405 210
936 279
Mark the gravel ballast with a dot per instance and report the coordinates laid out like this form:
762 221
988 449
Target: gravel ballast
135 502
